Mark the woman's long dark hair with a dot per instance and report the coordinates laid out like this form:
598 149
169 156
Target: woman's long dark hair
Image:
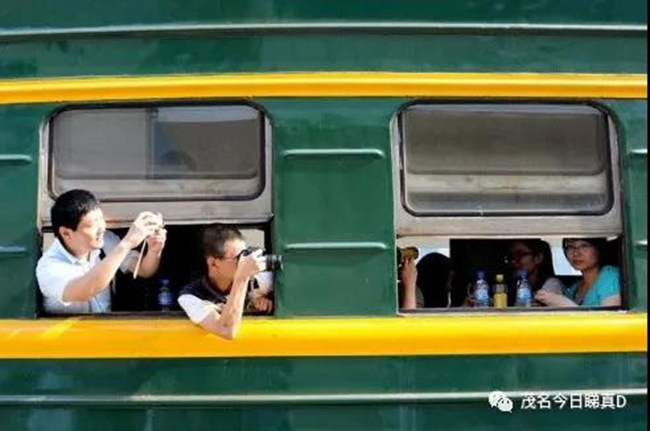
433 274
545 270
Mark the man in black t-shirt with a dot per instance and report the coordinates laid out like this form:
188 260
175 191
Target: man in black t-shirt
232 283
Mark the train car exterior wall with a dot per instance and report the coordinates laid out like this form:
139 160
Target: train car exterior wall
351 367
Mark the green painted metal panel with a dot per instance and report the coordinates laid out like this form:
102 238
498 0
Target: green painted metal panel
631 118
334 206
38 383
324 52
19 246
354 418
339 257
390 375
41 13
333 210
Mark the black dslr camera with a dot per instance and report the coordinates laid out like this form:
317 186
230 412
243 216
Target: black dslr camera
273 261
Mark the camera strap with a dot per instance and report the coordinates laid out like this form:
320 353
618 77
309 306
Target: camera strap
102 256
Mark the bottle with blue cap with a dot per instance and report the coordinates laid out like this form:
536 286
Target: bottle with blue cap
165 296
481 290
524 291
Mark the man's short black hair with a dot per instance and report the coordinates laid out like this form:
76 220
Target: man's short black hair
70 208
215 237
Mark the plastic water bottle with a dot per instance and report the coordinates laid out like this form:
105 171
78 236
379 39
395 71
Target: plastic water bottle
164 296
500 293
524 292
481 290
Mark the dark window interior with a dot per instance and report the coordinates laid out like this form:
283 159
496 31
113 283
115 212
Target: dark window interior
181 263
470 255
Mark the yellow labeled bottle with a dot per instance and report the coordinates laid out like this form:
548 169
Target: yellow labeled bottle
500 293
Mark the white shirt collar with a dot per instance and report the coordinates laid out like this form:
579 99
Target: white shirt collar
61 250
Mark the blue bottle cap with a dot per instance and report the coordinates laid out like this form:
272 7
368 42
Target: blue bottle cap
481 274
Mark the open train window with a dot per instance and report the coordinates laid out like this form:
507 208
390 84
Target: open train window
196 164
477 179
181 264
447 272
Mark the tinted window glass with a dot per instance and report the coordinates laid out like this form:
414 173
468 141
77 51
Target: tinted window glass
492 159
211 152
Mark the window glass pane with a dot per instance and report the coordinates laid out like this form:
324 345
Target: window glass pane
493 159
165 152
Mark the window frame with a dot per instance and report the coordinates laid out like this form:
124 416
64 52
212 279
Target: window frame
507 225
409 226
252 209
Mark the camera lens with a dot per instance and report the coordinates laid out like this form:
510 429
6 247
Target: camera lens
273 262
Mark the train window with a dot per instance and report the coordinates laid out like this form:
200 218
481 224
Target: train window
527 159
212 152
483 187
195 164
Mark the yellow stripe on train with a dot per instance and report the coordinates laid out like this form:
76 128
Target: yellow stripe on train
329 84
545 333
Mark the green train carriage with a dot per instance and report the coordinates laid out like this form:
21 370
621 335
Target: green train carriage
327 91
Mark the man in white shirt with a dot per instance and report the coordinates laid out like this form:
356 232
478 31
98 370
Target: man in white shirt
72 275
233 282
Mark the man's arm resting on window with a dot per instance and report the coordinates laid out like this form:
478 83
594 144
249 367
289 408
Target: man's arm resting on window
227 324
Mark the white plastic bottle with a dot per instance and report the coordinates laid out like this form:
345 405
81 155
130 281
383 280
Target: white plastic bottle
481 290
524 292
164 296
